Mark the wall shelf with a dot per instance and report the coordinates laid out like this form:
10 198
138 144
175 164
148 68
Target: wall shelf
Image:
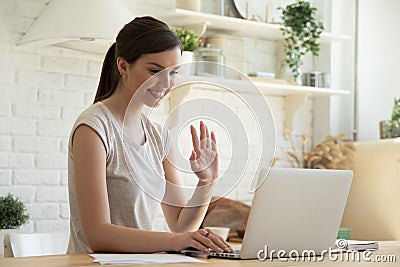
266 88
286 90
237 26
295 95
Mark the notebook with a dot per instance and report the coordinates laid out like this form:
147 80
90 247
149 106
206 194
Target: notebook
294 209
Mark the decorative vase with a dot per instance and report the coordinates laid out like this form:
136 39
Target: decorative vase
286 74
298 80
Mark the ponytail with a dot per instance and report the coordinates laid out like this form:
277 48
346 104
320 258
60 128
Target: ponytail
109 76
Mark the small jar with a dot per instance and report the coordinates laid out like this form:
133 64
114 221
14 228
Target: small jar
209 61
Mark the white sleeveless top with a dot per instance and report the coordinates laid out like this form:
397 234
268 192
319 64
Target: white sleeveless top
134 174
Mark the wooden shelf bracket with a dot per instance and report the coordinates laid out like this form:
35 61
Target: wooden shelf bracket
292 104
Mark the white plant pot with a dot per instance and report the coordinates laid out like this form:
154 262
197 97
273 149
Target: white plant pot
286 73
186 63
187 57
194 5
2 234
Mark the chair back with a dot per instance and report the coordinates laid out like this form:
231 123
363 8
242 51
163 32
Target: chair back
372 211
36 244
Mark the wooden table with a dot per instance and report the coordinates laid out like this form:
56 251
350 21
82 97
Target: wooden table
387 248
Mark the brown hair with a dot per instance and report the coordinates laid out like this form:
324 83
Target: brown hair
143 35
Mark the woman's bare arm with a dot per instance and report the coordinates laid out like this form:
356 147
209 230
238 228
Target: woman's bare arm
182 216
89 157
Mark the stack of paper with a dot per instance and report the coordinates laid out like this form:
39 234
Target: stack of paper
356 245
362 245
153 258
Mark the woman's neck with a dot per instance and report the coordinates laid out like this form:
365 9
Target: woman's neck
125 110
127 113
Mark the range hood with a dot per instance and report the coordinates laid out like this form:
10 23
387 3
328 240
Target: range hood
83 25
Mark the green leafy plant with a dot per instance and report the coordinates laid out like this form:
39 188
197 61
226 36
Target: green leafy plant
12 212
391 128
301 33
396 110
190 41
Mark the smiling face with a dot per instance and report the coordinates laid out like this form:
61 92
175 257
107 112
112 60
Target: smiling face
151 76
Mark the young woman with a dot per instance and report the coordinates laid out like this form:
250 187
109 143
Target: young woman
109 210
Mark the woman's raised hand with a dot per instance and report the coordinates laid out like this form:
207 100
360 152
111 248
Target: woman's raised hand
204 157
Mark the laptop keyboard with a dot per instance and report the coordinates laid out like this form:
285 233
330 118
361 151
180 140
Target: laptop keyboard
234 251
234 254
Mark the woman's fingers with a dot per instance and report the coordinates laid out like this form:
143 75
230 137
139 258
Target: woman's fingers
204 136
213 241
195 140
198 245
218 240
208 140
193 155
206 241
202 131
213 141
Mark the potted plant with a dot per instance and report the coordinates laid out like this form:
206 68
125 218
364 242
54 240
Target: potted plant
190 42
12 215
391 128
301 32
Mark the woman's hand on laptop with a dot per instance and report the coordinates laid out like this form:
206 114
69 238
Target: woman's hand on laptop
202 239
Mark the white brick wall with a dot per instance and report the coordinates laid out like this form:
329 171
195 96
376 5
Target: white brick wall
28 144
36 177
41 98
42 93
5 142
44 211
5 178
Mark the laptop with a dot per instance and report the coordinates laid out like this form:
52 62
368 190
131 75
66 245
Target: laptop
294 209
